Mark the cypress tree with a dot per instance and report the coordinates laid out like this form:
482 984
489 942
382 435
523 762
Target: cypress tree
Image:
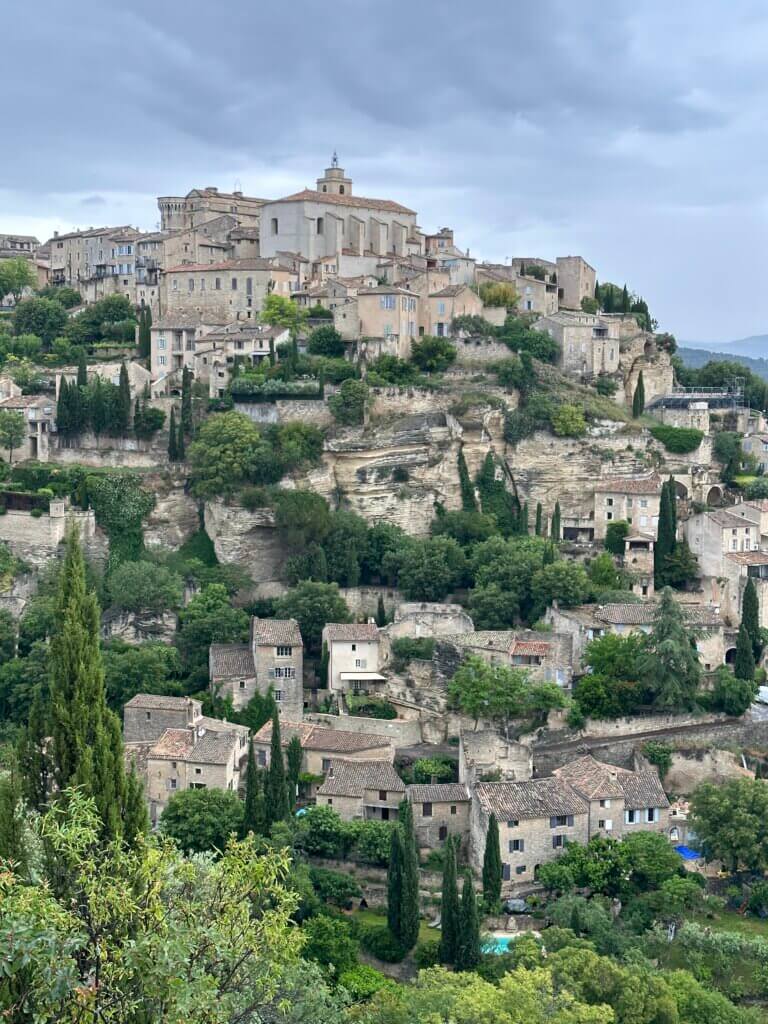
395 882
253 805
135 816
276 789
181 448
537 528
294 757
638 399
324 658
82 370
381 613
409 905
449 911
32 755
468 949
666 532
63 408
173 448
12 844
492 865
524 524
597 289
555 531
186 401
86 740
744 665
468 499
145 336
625 300
750 617
123 411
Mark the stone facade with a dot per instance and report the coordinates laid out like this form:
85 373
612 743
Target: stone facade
634 500
362 790
354 657
440 810
37 539
713 534
589 343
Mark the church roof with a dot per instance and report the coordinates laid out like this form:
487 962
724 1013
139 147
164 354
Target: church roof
309 195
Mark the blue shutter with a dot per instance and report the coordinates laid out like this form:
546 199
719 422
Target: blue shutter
553 821
570 819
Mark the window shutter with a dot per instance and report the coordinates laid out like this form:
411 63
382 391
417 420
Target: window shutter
554 842
505 872
522 846
570 819
553 822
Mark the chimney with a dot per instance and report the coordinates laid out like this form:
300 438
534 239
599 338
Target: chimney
55 234
211 188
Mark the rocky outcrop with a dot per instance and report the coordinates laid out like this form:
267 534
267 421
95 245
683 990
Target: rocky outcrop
134 628
175 516
248 539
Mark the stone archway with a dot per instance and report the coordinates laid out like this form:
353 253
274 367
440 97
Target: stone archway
715 496
730 655
681 491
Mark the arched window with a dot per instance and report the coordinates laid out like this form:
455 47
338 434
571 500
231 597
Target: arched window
325 188
319 225
341 190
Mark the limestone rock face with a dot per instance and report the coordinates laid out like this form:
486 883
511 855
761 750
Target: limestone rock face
174 518
249 539
690 769
138 629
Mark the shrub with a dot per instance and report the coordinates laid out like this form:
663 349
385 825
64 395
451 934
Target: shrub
362 982
605 386
407 648
372 841
334 887
371 707
758 488
427 954
36 513
442 769
659 754
432 355
254 497
680 440
379 941
325 341
348 404
568 421
614 536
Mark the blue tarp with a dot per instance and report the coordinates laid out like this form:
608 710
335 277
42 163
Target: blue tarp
687 853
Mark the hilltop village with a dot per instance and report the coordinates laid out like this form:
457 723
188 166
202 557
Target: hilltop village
407 529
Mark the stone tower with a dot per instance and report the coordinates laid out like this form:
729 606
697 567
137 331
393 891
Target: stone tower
333 181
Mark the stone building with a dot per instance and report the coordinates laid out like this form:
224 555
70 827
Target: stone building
202 205
385 312
536 820
97 262
714 533
575 281
39 414
332 221
440 810
545 656
535 295
322 746
231 289
757 445
638 560
175 747
173 342
362 790
591 621
12 246
353 657
273 659
139 377
441 307
620 801
632 499
589 343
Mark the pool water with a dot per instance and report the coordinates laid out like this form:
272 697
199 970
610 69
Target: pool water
498 944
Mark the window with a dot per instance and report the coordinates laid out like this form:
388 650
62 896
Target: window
330 801
505 872
651 814
516 845
262 758
198 771
520 869
609 502
441 307
453 808
442 832
191 284
284 652
285 673
426 810
361 663
202 284
234 284
279 696
560 820
197 785
161 360
606 824
173 783
605 803
388 302
643 503
513 823
341 190
558 842
175 284
630 817
319 225
173 765
382 794
274 225
217 284
149 715
326 764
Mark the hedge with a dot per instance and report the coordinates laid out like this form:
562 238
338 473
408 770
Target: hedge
679 440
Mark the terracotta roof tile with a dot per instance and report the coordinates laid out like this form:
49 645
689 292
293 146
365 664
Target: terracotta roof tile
438 793
591 778
642 789
315 737
352 778
230 660
539 798
274 632
311 196
629 485
363 632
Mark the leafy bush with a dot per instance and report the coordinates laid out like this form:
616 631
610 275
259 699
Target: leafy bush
391 370
517 334
427 954
680 440
615 534
255 497
432 355
325 341
441 769
660 755
407 648
348 404
371 707
605 385
372 841
335 887
757 489
362 982
568 421
379 941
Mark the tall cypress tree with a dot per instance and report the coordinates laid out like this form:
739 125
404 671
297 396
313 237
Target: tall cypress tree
449 910
409 906
186 401
468 499
123 411
638 399
82 370
537 528
294 755
276 789
181 448
624 300
63 407
492 865
468 948
253 805
555 531
33 754
173 449
666 532
86 740
135 815
381 613
145 336
750 617
395 882
744 665
524 525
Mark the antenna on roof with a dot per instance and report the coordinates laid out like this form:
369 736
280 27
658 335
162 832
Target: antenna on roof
238 186
334 160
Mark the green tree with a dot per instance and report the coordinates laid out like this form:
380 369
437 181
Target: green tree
33 753
348 404
744 663
86 740
539 520
129 669
202 819
427 569
313 605
16 275
492 865
173 446
209 618
186 401
13 431
395 883
638 399
731 822
554 531
732 694
279 311
568 421
666 536
224 454
563 581
124 400
325 341
294 756
329 943
181 448
145 332
449 909
13 842
409 908
275 786
614 536
468 499
750 617
432 354
669 664
44 318
82 370
468 945
144 587
253 804
381 613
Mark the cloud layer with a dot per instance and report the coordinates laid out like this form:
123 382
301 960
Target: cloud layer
632 134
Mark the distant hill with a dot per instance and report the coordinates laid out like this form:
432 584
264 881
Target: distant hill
695 354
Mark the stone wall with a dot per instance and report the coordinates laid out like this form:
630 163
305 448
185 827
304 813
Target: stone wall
419 619
285 411
402 733
36 539
692 767
471 351
364 601
121 452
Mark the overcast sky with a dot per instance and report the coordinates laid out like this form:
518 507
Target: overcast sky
630 133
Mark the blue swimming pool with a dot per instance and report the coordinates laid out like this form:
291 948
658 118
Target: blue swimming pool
498 944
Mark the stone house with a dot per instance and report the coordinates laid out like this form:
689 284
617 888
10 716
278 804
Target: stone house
39 414
362 790
248 343
13 246
441 307
634 500
322 746
545 656
638 559
757 445
620 801
440 810
173 341
138 376
97 262
354 654
738 567
385 312
232 289
272 659
575 281
536 819
589 622
200 206
712 534
534 295
589 343
486 755
176 747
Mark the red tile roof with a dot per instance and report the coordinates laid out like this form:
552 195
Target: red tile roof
311 196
